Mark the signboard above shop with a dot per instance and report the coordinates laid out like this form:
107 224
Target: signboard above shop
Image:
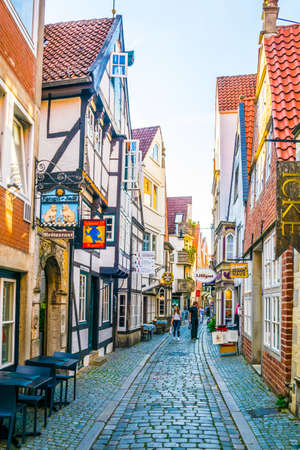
59 208
144 262
205 275
239 270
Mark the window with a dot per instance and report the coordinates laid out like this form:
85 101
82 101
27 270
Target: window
247 314
269 153
154 242
272 322
154 205
252 188
110 228
7 321
17 162
260 163
228 304
90 124
236 184
134 311
82 297
229 247
98 138
147 191
272 266
105 302
24 9
118 65
178 218
146 242
132 163
154 154
122 311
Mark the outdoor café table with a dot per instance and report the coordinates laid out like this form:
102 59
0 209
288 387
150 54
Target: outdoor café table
53 362
19 380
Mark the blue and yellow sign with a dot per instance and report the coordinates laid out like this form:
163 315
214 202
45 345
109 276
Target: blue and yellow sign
93 234
59 209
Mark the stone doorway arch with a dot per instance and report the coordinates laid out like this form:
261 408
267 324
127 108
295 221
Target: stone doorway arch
52 318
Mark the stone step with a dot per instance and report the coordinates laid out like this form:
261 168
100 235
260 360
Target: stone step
97 360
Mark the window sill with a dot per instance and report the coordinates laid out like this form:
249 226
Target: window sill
274 353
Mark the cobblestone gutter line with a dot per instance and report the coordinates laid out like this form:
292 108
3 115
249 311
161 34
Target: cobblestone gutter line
237 415
112 404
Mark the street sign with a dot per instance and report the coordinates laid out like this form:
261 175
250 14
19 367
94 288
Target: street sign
239 270
58 234
205 275
288 206
144 263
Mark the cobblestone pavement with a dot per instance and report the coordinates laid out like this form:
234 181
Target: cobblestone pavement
95 387
173 403
275 431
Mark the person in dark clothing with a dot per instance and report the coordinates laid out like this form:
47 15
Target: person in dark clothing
193 320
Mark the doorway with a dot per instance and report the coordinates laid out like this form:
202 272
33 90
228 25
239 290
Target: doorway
49 311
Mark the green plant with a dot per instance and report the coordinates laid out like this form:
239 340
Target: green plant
282 402
211 325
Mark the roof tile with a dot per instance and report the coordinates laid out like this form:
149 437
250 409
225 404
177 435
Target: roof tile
230 89
71 47
283 62
249 123
177 205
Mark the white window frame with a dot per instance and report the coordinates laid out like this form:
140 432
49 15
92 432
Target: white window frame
155 157
272 266
252 188
248 314
98 138
226 247
123 327
260 164
82 297
148 242
31 40
132 161
105 303
272 323
110 235
13 322
90 124
112 65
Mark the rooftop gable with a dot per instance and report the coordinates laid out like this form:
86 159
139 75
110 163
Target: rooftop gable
70 48
145 136
177 205
283 64
230 89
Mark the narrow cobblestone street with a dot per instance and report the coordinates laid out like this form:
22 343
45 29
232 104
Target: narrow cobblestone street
168 394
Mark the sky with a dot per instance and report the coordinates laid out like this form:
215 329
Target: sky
180 48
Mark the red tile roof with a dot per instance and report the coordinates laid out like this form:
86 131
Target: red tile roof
229 90
71 47
283 62
177 205
145 136
249 126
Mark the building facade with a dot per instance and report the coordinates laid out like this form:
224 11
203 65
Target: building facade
20 87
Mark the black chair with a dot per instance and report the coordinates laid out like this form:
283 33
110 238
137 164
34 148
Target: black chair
65 377
49 387
8 410
34 398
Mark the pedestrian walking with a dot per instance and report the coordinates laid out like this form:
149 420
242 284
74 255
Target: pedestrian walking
193 320
176 322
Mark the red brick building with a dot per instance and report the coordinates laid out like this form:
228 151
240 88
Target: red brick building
21 47
268 292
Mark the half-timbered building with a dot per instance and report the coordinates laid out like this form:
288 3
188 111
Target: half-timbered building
85 120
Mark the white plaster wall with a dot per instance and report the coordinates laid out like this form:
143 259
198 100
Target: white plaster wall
113 191
82 257
107 257
105 334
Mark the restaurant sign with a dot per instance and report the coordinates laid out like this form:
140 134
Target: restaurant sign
205 275
288 206
59 208
239 270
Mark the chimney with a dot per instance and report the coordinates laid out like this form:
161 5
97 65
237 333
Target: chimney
269 16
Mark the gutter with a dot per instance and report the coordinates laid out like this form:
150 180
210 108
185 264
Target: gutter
66 82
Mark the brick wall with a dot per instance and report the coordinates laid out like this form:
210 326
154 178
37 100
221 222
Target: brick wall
246 348
14 232
16 52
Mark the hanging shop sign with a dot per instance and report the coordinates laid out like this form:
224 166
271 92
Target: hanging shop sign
167 278
144 262
205 275
59 208
198 293
288 206
93 234
239 270
58 234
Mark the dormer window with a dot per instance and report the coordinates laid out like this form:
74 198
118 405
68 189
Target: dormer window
118 65
178 218
154 154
